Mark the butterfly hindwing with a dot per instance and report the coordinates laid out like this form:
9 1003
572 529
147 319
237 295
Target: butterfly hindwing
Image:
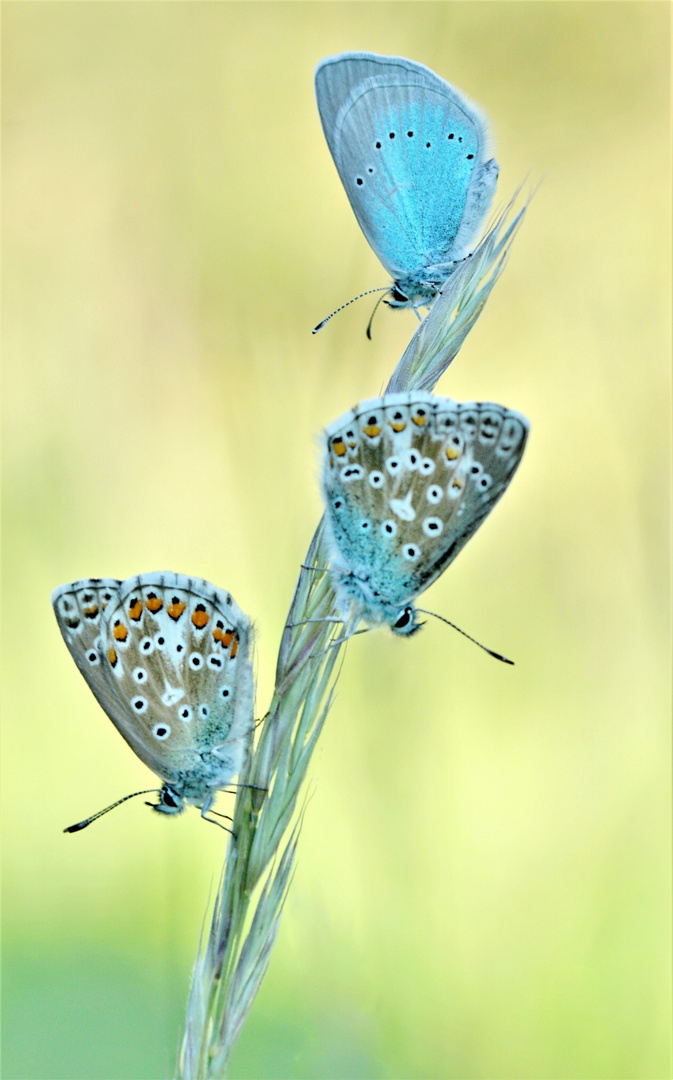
177 650
408 479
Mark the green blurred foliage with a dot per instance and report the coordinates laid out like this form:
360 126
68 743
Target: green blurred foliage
483 879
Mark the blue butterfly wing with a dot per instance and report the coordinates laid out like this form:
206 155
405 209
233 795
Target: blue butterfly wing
410 152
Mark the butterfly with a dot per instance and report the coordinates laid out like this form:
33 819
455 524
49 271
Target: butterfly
407 480
168 657
412 154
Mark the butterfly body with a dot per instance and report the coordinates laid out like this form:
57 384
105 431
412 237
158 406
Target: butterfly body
412 154
169 659
407 480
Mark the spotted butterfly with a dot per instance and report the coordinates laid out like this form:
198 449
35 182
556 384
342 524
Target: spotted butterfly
168 657
413 155
407 480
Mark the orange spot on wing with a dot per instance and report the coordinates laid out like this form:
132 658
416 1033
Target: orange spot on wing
136 609
91 612
452 453
119 632
456 483
227 638
176 609
234 648
372 430
112 656
398 427
420 420
200 617
153 603
339 447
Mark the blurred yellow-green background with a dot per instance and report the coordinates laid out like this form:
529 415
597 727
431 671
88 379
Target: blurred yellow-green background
483 879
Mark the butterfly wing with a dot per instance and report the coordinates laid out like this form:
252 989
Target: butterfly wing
411 153
79 608
408 479
178 652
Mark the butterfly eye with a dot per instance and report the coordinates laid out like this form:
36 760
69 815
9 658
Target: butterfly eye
140 675
404 619
185 713
411 552
388 528
204 712
139 704
195 661
433 526
434 493
161 731
225 692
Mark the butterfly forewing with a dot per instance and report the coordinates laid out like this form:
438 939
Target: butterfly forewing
79 610
408 479
177 651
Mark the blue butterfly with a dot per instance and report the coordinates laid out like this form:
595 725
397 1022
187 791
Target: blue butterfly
169 658
412 154
407 480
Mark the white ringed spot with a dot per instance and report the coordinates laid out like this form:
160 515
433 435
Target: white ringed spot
433 526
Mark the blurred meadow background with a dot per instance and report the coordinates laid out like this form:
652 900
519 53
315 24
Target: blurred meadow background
483 879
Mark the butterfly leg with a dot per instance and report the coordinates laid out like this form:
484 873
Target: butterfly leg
305 622
339 641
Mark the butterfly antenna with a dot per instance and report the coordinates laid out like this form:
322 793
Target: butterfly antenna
87 821
382 288
490 652
371 318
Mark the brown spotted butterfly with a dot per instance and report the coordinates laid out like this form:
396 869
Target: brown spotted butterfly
169 658
407 480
